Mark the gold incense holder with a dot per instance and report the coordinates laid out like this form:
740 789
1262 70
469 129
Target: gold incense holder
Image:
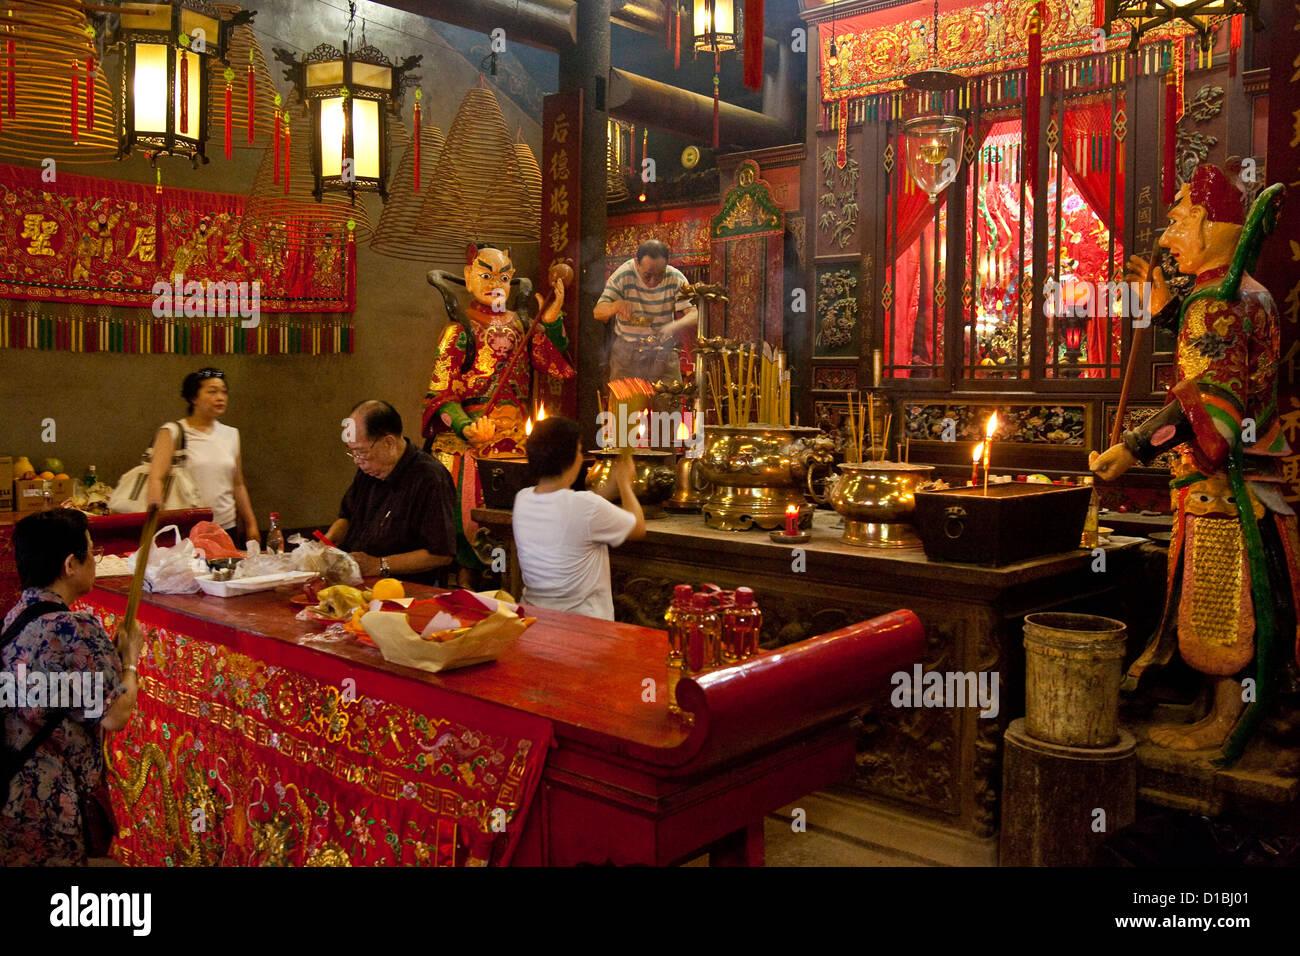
652 483
877 499
756 472
690 489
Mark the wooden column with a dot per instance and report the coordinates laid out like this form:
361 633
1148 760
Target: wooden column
585 67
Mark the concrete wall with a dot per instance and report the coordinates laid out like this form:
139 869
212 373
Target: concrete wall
287 408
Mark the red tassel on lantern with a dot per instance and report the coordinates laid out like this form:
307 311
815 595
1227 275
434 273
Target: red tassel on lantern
677 41
753 69
185 94
158 245
230 146
275 149
76 106
1033 97
286 159
251 98
1234 44
90 93
417 146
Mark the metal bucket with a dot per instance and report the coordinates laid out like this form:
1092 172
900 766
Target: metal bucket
1073 666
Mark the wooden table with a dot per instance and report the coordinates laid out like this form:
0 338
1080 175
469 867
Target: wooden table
116 534
625 781
941 764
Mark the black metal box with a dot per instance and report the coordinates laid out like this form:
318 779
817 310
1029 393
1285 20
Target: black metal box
1012 522
503 478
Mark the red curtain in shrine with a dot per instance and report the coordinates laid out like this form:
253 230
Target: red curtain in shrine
1086 152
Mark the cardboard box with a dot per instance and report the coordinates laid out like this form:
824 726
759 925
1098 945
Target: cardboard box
6 486
30 495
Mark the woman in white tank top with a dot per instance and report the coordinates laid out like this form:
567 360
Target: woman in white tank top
212 452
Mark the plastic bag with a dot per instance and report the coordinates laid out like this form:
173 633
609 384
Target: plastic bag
259 563
335 566
210 538
172 570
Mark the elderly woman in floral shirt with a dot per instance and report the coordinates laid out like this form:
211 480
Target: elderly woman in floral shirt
41 821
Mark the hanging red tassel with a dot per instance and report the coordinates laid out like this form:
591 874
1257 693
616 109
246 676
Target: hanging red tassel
677 41
158 245
1033 97
76 105
417 141
753 69
184 127
286 157
275 143
90 93
1099 13
230 146
12 100
1234 44
717 83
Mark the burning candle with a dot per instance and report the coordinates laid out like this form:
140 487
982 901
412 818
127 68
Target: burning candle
528 427
792 519
989 429
975 462
541 412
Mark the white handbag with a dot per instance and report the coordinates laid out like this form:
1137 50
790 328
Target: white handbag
180 492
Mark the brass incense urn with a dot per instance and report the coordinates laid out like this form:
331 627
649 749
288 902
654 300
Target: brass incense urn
877 499
757 471
653 481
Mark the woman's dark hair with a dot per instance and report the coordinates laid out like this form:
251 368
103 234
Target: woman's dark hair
43 541
194 381
551 446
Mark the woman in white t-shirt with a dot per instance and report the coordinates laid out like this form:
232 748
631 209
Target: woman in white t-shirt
212 453
563 536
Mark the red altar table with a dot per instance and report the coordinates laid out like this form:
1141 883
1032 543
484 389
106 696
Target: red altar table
116 534
588 768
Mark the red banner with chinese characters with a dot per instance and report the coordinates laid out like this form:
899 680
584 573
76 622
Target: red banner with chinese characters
288 756
1277 268
562 223
90 241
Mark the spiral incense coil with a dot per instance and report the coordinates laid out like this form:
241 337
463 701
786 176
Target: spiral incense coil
398 234
477 189
243 41
294 218
50 48
531 174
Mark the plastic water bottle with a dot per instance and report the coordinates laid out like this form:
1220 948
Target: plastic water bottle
274 536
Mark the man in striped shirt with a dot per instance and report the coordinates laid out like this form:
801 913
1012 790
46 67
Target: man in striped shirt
641 295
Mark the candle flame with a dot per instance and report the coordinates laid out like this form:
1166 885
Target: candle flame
528 427
683 433
992 426
979 452
792 509
541 412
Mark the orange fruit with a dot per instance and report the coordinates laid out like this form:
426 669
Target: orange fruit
388 589
46 476
60 477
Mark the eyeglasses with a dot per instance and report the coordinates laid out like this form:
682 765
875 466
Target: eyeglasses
360 455
205 373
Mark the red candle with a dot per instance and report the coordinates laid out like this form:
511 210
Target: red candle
792 519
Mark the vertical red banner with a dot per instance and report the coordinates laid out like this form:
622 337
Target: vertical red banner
1277 268
562 226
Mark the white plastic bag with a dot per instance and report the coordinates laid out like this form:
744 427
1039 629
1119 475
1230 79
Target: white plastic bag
335 566
172 570
260 563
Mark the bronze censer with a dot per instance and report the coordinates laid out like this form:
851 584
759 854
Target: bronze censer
757 471
877 499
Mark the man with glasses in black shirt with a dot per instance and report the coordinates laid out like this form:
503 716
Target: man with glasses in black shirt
396 517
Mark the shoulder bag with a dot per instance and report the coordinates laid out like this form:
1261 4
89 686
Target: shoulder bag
179 488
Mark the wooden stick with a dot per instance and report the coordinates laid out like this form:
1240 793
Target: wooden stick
141 559
1134 350
726 372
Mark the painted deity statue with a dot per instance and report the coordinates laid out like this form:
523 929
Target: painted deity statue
480 393
1230 609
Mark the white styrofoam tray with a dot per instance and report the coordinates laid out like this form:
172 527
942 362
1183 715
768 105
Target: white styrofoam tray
264 582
